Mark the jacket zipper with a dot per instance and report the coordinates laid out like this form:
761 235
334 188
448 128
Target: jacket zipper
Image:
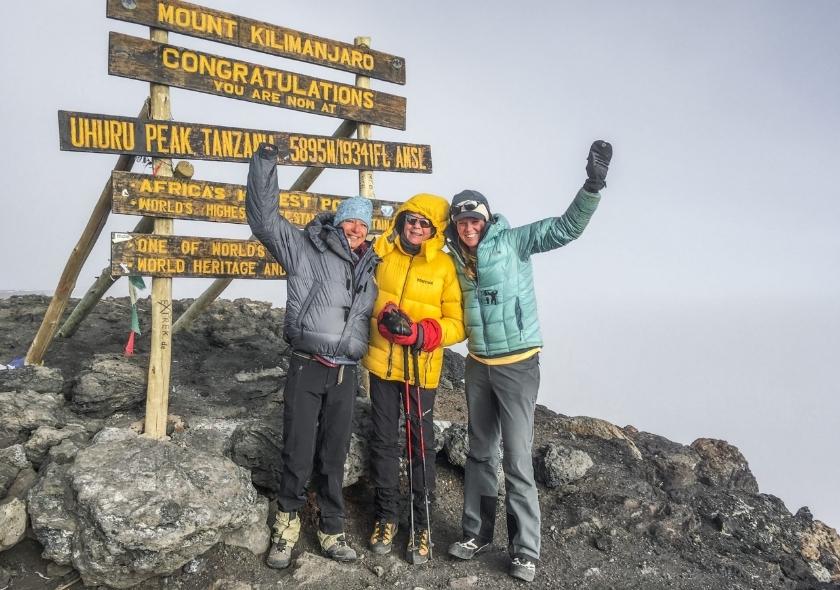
399 304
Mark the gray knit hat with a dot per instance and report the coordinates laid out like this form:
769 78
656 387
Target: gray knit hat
354 208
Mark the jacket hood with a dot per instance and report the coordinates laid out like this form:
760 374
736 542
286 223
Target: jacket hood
323 234
433 207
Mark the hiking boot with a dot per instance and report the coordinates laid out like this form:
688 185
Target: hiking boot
382 538
285 535
468 547
336 547
523 567
419 548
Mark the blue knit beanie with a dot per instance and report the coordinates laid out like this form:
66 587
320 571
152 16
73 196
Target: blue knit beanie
354 208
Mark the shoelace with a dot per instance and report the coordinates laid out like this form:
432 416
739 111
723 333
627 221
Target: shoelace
524 563
470 544
384 532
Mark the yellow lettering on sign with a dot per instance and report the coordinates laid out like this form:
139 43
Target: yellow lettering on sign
195 20
168 139
151 245
215 266
160 265
273 269
106 134
240 249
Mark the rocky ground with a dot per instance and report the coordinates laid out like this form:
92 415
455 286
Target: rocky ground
621 508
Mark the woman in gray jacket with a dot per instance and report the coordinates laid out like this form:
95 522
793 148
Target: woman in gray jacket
331 292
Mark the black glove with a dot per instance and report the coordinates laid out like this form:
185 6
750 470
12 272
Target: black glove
597 164
396 322
268 151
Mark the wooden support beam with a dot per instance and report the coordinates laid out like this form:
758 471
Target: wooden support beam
78 257
303 182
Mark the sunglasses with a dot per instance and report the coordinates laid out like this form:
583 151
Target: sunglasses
465 206
415 220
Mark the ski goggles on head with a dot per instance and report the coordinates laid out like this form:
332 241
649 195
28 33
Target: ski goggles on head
469 208
417 220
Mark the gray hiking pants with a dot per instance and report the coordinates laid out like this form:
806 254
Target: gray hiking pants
500 402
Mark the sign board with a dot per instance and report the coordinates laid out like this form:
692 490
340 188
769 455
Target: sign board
87 132
142 59
185 256
215 25
154 196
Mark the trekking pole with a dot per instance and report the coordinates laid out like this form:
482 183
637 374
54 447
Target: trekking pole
414 355
407 408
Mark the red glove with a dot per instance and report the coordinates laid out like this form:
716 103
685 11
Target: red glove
431 335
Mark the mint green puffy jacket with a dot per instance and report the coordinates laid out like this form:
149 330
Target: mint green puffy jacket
500 306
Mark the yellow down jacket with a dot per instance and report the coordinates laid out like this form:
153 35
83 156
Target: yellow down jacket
424 286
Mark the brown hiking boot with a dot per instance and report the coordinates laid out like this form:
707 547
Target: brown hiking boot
382 538
420 548
285 535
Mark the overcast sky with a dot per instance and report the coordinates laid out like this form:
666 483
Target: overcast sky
704 298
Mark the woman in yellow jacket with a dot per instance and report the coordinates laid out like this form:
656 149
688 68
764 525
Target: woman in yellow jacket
417 283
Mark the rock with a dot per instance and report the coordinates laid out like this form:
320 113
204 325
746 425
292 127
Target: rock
12 460
45 437
441 426
24 481
311 569
24 411
32 378
465 582
195 566
557 465
5 578
455 444
820 543
65 451
127 510
272 374
255 535
12 523
212 435
230 585
111 435
112 383
675 463
723 465
257 445
586 426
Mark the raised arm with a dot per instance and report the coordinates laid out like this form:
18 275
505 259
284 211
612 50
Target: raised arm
279 236
554 232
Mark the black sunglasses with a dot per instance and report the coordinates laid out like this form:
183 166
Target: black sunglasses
415 220
464 206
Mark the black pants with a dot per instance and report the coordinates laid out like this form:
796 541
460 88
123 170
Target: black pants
317 420
387 397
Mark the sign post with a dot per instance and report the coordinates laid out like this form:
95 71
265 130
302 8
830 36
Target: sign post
160 354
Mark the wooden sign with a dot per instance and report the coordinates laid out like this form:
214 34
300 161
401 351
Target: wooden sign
184 256
142 194
215 25
142 59
87 132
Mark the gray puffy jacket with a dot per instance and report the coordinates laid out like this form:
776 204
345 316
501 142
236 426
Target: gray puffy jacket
330 290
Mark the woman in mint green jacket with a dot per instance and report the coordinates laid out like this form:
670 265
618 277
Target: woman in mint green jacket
502 372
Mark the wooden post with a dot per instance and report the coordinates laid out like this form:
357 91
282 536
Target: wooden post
160 353
78 257
303 182
365 176
101 285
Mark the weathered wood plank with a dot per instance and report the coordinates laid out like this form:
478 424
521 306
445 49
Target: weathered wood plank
88 132
224 27
186 256
142 59
143 194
